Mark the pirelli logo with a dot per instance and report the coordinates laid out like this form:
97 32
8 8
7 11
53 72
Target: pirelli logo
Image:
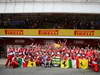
84 33
14 32
48 32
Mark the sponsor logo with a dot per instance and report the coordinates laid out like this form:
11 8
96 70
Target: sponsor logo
48 32
14 32
84 33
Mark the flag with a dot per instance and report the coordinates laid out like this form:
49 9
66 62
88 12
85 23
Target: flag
77 62
70 63
56 61
24 64
19 62
57 45
31 64
83 63
74 65
66 63
95 67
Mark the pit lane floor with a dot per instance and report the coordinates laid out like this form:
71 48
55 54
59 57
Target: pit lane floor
45 71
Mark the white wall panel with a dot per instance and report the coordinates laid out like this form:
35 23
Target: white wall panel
43 0
2 7
2 0
38 8
29 0
28 6
19 0
10 1
19 7
10 8
75 0
49 1
93 0
50 7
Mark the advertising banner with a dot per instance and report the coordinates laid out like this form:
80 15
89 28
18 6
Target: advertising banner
49 32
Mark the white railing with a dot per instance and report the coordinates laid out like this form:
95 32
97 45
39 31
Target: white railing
72 37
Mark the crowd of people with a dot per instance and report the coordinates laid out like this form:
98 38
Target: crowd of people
50 21
43 55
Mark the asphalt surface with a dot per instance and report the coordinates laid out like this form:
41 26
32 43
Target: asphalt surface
45 71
